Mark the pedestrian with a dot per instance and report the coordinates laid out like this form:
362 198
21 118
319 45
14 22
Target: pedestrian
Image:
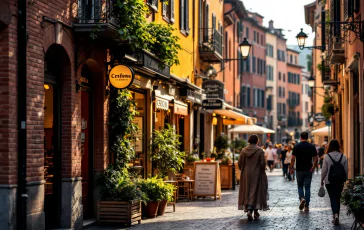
278 148
321 152
334 160
287 161
283 158
253 189
304 154
270 155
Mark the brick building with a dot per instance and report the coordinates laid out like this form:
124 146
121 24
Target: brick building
253 84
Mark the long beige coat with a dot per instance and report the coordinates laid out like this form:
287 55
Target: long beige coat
253 189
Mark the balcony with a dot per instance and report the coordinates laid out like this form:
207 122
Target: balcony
97 15
293 103
336 51
210 45
293 122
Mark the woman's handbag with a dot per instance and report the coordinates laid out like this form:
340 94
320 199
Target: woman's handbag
321 192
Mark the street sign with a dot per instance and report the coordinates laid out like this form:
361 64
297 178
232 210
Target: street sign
212 103
328 123
318 117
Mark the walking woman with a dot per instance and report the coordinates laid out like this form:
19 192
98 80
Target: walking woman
334 188
253 189
287 161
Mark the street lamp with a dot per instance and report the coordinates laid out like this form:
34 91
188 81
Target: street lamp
311 81
245 47
301 39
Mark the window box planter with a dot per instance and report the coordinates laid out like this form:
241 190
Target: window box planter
123 212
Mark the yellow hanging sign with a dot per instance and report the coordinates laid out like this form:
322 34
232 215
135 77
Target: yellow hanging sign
121 76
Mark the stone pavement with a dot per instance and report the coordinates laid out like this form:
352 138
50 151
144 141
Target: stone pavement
283 213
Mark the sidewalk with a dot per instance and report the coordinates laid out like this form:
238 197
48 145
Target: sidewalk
283 213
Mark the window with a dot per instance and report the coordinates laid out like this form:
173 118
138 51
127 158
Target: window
269 50
213 21
262 39
255 36
168 11
247 33
284 92
290 59
306 106
153 4
248 96
226 44
243 97
262 98
279 75
270 73
254 64
284 77
279 91
184 16
284 109
295 60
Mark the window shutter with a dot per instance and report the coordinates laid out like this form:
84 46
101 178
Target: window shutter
213 21
356 6
164 9
239 62
206 23
172 10
182 14
155 4
200 21
187 16
248 97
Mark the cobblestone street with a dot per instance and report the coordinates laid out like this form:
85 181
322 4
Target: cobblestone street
283 213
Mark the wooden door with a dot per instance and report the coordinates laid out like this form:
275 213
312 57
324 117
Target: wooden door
86 154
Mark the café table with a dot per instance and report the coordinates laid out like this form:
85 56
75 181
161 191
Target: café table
187 186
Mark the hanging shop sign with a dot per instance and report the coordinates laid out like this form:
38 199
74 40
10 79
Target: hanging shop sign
213 89
212 103
151 64
180 108
161 103
121 76
318 117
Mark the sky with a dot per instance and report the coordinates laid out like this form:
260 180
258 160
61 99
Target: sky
288 15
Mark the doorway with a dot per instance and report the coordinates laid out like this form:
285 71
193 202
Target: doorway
87 160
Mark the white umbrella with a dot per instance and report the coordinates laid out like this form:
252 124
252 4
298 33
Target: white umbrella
324 131
250 129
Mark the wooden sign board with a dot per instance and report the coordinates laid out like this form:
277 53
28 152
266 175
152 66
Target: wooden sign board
207 179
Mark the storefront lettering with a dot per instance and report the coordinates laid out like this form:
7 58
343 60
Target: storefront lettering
161 104
121 76
213 89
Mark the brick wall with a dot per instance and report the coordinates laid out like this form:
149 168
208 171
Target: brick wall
8 106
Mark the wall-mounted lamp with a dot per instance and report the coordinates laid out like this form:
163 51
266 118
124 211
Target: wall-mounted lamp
46 86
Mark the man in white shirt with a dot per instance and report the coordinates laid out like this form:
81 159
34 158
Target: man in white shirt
270 155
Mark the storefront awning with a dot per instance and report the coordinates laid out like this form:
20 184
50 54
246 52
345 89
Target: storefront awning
234 118
324 131
180 108
251 129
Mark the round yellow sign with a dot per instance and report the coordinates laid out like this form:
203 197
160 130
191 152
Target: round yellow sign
121 76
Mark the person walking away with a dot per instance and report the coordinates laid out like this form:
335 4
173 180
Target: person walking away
270 155
304 154
288 159
321 152
283 158
334 173
253 189
278 149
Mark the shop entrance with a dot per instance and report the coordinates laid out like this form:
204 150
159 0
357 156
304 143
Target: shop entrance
56 67
87 141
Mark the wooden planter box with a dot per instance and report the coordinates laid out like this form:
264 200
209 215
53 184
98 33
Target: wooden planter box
123 212
226 176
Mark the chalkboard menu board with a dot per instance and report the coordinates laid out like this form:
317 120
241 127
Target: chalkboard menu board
207 179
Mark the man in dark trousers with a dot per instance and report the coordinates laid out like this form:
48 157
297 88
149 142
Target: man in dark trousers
304 154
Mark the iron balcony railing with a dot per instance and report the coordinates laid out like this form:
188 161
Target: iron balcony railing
96 12
210 41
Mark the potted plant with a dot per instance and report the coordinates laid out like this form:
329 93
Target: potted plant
119 191
328 108
221 143
165 151
353 197
167 196
156 190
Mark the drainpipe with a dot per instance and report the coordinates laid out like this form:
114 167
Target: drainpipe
22 196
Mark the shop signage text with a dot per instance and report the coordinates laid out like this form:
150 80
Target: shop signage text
161 103
180 109
121 76
213 89
318 117
212 103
